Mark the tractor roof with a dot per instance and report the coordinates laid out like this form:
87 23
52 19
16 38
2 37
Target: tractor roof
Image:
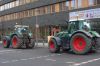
21 26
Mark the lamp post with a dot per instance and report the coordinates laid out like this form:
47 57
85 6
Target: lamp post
37 26
2 28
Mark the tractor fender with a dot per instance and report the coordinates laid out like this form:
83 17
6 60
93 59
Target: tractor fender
13 35
7 37
58 40
83 32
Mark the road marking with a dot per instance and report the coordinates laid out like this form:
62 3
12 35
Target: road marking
39 57
46 56
86 62
32 58
23 59
6 50
14 60
5 62
70 62
59 54
53 55
50 60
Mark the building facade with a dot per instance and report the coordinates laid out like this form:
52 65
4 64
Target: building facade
44 17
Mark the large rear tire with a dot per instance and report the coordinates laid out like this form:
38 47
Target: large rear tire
53 47
16 42
6 42
80 44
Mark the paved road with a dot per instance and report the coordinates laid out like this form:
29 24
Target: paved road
40 56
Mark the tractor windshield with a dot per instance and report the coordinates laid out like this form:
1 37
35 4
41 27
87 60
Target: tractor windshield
86 26
79 25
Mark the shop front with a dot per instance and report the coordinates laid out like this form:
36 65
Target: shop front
92 16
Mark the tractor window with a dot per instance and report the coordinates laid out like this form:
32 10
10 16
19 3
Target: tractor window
72 27
86 26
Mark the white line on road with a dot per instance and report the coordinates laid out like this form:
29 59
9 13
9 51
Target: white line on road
46 56
6 50
50 60
5 62
59 54
53 55
14 60
32 58
39 57
23 59
70 62
86 62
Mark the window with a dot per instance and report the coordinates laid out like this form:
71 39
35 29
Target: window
79 3
37 11
98 2
17 3
91 2
57 8
0 19
63 6
48 8
2 8
33 12
41 11
85 3
73 4
52 8
28 1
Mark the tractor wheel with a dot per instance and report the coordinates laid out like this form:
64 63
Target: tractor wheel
80 44
16 42
31 44
53 47
6 42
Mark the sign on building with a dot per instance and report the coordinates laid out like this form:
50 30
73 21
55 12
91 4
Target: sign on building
85 14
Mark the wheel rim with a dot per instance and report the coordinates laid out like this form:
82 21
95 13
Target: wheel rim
79 43
14 41
4 42
52 46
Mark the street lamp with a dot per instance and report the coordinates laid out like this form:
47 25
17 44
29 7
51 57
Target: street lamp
2 28
37 26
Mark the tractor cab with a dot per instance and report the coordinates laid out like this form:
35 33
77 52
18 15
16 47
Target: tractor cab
21 28
78 25
74 26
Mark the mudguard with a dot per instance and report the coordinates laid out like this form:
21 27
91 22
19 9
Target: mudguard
88 34
16 34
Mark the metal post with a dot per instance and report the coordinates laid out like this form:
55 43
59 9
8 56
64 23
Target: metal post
36 29
2 29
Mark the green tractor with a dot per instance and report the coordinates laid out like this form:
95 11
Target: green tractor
79 38
20 38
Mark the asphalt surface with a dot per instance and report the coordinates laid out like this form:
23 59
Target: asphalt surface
40 56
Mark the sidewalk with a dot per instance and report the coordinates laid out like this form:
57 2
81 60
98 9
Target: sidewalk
38 44
0 41
41 44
